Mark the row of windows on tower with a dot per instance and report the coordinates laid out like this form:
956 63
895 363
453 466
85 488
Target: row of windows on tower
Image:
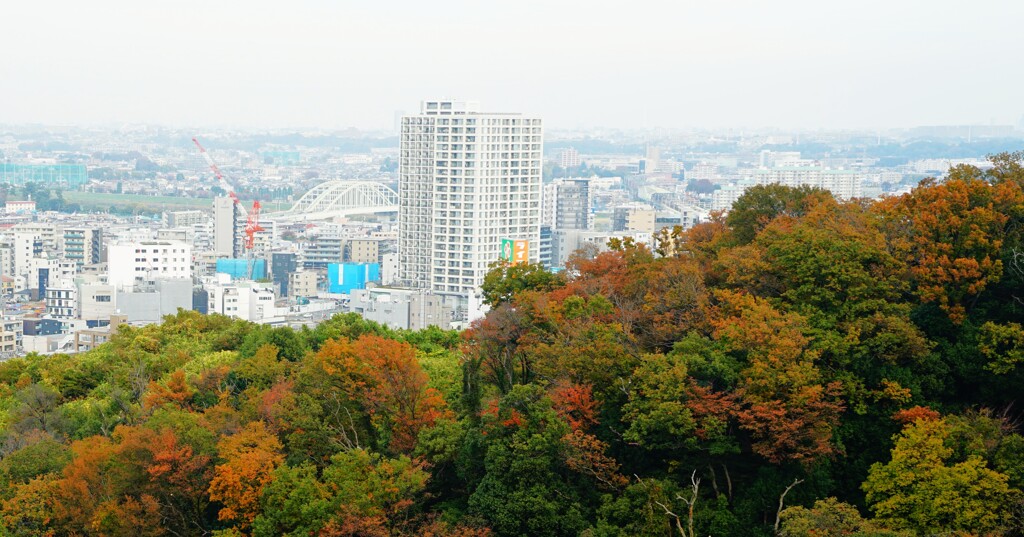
467 232
427 138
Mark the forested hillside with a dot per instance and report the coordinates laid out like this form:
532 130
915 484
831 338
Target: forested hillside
802 367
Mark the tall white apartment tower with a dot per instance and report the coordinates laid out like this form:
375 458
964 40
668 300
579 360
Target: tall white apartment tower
228 224
467 180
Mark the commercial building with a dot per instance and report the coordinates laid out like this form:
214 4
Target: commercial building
150 303
467 181
97 300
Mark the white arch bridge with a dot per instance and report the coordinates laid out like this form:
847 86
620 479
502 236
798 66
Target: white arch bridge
340 198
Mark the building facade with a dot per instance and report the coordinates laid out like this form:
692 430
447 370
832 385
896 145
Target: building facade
362 251
569 158
282 265
302 284
83 245
144 262
844 184
190 218
467 180
249 301
405 309
228 227
572 204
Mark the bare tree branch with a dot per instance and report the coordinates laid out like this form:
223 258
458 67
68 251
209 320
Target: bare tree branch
778 514
728 481
695 486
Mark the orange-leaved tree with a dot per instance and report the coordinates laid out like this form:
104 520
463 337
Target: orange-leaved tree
250 457
385 377
788 409
950 234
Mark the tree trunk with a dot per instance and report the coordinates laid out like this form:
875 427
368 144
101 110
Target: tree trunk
782 497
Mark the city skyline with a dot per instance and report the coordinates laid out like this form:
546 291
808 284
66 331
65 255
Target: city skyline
319 65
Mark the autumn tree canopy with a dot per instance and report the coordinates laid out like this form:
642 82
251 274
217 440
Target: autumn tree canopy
799 367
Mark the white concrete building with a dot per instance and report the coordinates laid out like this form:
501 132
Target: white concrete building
97 300
228 227
569 158
18 207
389 268
405 309
467 180
844 184
246 300
150 303
7 258
48 232
707 171
27 247
302 283
132 263
143 303
189 218
723 198
62 302
548 200
11 335
566 241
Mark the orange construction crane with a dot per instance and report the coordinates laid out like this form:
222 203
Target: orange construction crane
224 185
252 221
252 227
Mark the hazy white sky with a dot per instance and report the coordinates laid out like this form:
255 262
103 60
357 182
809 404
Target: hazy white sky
628 63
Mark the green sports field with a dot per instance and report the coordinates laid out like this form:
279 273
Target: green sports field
101 200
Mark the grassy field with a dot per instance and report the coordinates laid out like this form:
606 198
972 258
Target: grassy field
92 199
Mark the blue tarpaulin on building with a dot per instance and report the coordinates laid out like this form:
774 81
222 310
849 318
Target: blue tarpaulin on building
343 278
238 269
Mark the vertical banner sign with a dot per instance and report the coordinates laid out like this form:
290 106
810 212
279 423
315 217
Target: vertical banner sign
515 251
506 249
521 252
